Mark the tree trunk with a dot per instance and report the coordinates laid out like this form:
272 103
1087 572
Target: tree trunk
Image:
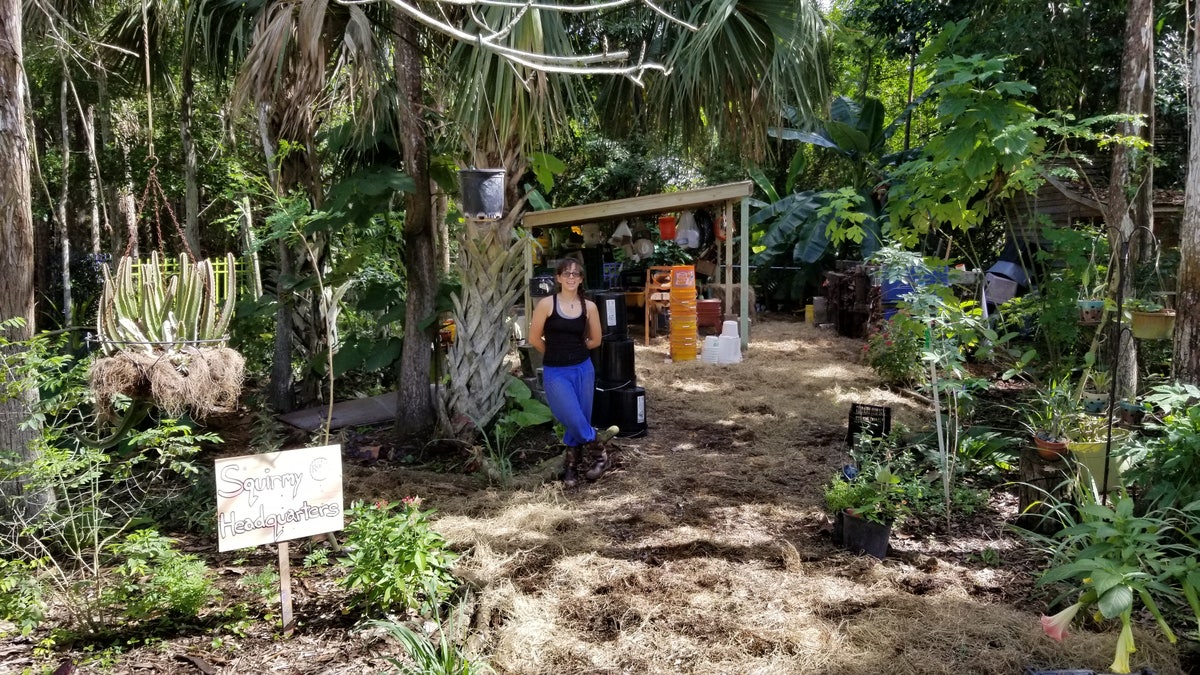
1187 293
415 414
191 207
281 363
1136 74
61 210
94 191
16 257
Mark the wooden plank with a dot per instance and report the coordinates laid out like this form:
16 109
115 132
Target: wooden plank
637 206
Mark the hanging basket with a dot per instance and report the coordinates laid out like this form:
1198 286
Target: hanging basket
482 193
199 381
1153 325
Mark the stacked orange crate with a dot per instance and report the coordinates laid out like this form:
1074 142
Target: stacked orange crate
685 334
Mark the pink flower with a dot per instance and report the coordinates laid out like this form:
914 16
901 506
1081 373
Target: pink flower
381 504
412 501
1056 626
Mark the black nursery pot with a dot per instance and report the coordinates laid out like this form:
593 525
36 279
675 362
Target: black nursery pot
860 535
482 193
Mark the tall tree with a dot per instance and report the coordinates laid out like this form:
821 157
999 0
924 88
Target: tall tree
1131 172
16 254
1187 295
415 412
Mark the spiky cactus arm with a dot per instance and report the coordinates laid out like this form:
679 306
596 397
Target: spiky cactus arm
492 270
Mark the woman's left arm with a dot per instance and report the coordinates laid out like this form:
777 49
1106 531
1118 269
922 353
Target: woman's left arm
592 339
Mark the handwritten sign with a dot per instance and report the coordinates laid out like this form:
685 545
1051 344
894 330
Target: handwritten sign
276 496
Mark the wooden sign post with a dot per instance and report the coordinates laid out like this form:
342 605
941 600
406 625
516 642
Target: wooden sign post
276 497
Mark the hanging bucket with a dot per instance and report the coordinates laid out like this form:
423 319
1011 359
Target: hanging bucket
666 227
629 411
482 193
614 321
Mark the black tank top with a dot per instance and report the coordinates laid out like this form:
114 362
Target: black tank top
565 338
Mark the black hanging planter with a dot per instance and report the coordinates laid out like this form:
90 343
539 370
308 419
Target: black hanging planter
482 192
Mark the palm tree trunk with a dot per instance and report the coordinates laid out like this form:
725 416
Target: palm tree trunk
415 414
491 269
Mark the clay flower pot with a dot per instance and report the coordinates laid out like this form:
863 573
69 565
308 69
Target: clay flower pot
1048 448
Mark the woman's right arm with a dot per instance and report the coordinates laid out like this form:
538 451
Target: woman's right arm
538 324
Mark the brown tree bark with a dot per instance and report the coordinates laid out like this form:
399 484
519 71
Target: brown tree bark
1187 293
415 414
1130 168
16 254
191 182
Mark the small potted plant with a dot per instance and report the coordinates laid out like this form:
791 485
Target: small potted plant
865 510
1149 320
1047 418
1095 397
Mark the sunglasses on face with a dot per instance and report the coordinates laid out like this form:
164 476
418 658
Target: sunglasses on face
576 275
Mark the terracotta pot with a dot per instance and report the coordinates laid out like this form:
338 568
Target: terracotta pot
1049 449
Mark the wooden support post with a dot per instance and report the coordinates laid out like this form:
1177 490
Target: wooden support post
285 589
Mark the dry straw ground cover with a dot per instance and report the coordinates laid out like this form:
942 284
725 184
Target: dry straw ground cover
707 551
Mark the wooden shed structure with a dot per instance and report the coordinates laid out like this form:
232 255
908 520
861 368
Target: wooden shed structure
724 196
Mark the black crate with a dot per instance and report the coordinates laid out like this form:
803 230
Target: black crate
875 420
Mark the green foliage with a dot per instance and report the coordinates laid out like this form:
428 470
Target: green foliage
156 580
428 658
1112 558
21 593
264 584
894 351
521 411
1168 463
99 493
394 558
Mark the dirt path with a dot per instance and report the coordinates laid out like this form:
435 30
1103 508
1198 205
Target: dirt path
707 551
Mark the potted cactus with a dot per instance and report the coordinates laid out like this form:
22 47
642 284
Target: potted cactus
163 337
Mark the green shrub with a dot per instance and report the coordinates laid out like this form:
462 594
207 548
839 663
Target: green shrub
157 580
395 559
894 351
21 594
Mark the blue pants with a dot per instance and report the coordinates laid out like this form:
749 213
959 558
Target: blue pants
569 391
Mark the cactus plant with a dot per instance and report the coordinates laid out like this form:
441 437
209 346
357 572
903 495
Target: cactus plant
161 313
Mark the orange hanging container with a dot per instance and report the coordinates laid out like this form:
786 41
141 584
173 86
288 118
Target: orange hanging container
666 227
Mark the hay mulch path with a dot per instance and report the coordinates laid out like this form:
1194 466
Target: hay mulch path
707 550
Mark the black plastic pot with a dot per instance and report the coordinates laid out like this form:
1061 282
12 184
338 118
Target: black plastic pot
482 193
860 535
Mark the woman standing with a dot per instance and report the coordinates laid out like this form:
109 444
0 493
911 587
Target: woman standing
565 328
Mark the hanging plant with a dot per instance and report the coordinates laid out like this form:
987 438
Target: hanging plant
164 335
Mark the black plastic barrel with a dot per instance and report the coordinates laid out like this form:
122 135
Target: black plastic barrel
613 360
613 319
602 408
628 410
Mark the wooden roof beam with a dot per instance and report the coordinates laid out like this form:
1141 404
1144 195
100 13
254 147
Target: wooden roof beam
666 202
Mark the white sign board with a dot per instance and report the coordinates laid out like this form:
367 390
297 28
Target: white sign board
276 496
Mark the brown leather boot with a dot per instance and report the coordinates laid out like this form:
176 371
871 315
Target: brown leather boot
570 467
597 458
